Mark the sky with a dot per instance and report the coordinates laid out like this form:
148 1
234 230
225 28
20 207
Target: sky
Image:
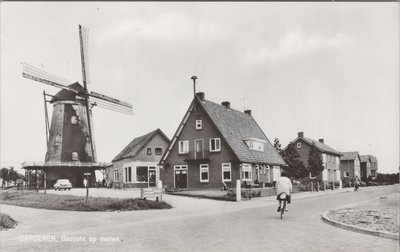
330 70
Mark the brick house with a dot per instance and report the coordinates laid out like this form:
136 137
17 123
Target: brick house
215 144
350 165
330 158
369 167
136 166
374 167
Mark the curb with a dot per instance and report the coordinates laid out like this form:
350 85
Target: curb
382 234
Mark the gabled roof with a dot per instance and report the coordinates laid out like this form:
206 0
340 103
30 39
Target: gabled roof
321 146
137 144
350 156
235 126
373 159
365 158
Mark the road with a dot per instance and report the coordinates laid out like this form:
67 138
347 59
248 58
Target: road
199 225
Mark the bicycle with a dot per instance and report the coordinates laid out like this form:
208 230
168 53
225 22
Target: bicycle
283 198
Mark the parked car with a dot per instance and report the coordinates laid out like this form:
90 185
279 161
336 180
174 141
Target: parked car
62 184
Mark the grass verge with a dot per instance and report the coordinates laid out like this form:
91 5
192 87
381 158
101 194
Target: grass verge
6 222
75 203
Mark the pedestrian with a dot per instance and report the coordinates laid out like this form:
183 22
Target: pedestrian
283 185
85 182
356 184
104 182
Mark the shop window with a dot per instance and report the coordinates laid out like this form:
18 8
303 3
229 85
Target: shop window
142 174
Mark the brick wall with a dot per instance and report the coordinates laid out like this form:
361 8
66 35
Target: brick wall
216 159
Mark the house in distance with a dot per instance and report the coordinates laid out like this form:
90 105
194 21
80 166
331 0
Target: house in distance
330 158
216 144
350 165
136 166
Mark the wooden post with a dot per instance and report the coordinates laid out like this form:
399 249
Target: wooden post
44 177
37 182
312 187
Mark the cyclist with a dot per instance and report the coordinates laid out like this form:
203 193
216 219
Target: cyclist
283 185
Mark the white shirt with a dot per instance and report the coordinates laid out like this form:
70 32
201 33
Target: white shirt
283 184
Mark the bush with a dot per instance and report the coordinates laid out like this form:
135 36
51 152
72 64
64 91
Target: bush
6 221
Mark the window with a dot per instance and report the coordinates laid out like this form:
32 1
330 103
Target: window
158 151
183 147
128 174
246 172
346 174
148 152
255 144
141 174
215 144
204 173
58 139
74 120
298 145
75 156
116 177
198 124
226 172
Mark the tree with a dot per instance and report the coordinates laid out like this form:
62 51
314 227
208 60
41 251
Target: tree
277 144
315 165
296 168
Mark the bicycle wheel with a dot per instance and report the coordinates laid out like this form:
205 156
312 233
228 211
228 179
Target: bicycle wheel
283 208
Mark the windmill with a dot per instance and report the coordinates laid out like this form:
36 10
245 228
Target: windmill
70 136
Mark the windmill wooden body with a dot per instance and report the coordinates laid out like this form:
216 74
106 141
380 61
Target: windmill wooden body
70 141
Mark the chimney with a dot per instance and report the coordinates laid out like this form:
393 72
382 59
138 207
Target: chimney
201 96
300 134
321 140
226 104
248 111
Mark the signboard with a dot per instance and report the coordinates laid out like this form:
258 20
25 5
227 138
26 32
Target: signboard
87 174
151 192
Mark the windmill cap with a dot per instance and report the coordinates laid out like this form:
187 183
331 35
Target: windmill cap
66 95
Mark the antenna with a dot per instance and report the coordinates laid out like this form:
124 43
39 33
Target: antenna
194 78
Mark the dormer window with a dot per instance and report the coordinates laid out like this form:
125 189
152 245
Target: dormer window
199 125
255 144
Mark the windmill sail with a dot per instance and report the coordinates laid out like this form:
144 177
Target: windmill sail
107 102
39 75
84 45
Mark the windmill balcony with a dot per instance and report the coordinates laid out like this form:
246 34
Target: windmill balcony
198 156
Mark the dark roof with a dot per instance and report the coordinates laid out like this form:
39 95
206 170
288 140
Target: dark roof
133 148
235 126
349 155
322 147
373 159
66 95
365 158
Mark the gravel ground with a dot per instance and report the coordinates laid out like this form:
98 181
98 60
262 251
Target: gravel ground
379 214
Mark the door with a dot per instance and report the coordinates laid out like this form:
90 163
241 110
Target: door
198 145
181 178
152 177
